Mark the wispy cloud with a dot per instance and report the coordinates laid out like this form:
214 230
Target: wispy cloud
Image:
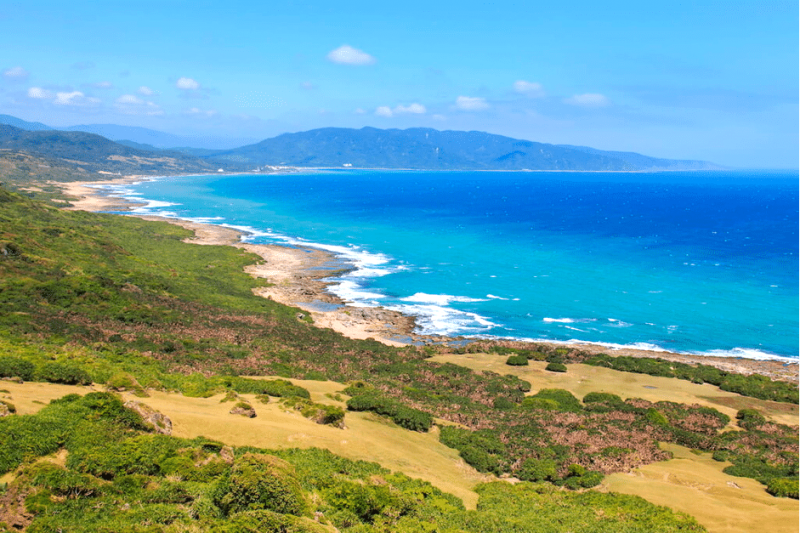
347 55
39 94
471 103
131 104
197 112
187 84
16 74
145 91
129 99
588 100
529 88
75 99
413 109
308 86
103 85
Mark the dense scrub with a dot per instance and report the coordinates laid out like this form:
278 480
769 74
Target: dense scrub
118 477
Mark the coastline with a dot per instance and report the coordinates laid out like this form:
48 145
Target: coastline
298 277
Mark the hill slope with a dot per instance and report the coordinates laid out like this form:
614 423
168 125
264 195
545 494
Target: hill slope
86 152
423 148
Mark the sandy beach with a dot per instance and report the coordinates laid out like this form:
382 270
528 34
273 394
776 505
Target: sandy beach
297 277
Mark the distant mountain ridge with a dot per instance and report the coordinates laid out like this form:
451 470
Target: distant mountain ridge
424 148
413 148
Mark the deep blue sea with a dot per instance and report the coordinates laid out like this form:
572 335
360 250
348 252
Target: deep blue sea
695 262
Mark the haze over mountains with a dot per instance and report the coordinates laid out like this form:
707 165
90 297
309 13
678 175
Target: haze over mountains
414 148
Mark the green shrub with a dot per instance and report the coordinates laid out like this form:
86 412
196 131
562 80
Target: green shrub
404 416
654 416
67 374
540 403
538 470
260 481
273 387
588 480
566 400
517 360
783 487
556 367
14 367
318 412
750 419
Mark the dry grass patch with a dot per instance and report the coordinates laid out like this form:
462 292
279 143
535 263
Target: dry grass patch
695 484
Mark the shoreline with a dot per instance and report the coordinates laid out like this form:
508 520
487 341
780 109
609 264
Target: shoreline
298 277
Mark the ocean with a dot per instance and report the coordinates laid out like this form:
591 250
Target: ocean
690 262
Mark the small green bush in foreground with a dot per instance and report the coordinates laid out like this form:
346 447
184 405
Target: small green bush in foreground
517 360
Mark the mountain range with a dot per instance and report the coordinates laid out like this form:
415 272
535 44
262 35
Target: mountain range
413 148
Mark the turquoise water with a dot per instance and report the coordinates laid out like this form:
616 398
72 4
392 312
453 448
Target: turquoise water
690 262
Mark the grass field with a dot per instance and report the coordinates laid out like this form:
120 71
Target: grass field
695 484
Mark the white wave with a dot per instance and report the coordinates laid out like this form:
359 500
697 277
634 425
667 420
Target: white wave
439 299
493 297
619 323
354 294
574 329
440 320
745 353
568 320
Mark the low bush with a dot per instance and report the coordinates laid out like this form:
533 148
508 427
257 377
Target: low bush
556 367
750 419
14 367
566 400
783 487
404 416
260 481
62 373
517 360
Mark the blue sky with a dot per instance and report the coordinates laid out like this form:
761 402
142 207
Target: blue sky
714 80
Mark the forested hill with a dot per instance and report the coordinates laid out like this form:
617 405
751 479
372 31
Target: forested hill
90 153
423 148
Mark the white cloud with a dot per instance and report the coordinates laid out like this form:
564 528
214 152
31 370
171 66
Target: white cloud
196 111
414 109
16 73
103 85
307 85
588 100
187 84
529 88
439 117
39 93
471 103
129 99
359 111
130 104
75 98
145 91
347 55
